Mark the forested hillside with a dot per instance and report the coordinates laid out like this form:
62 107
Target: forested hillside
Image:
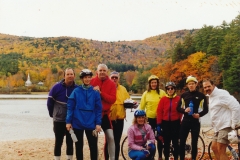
210 52
45 58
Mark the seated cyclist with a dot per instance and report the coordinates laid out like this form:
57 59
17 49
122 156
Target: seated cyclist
141 139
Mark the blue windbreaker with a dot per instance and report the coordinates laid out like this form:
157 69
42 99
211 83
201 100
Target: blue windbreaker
84 108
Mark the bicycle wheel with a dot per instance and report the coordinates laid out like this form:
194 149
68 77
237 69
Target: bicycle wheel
124 149
188 147
212 156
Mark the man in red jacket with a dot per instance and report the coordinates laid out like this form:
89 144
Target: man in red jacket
107 90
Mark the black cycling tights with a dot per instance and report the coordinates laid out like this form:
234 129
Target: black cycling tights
186 126
60 131
92 142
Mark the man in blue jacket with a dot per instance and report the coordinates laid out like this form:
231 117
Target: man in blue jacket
57 107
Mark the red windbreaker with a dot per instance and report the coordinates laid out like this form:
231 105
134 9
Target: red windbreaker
167 109
108 92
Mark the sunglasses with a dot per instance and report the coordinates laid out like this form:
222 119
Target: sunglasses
114 77
170 88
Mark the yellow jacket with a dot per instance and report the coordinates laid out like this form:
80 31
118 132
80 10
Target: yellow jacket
149 102
117 110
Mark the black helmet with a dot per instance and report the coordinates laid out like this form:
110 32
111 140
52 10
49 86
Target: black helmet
170 84
85 72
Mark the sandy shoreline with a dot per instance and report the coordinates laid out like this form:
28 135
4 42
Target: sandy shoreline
42 149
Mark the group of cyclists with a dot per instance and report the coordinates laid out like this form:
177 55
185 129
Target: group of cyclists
98 104
169 115
95 105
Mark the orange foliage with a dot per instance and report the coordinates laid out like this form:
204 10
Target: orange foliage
129 76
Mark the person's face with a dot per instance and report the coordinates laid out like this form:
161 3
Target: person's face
153 84
69 76
114 78
140 120
208 87
170 90
86 80
192 86
102 73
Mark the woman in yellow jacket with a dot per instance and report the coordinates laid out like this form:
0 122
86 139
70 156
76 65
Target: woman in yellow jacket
118 113
149 102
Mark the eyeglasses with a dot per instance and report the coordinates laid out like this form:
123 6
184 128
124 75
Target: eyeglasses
170 88
114 77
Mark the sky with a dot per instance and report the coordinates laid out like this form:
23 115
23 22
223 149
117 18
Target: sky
111 20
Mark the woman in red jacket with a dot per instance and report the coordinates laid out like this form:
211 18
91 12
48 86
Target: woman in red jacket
168 119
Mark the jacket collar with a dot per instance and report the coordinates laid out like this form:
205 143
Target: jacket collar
64 84
214 92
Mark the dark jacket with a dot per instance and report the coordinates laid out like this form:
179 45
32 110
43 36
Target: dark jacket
57 100
200 105
84 109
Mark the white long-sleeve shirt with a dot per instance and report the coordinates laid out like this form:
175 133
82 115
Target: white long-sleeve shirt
224 109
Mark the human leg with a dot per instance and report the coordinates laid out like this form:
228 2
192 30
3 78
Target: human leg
166 129
117 132
175 137
79 143
69 145
153 123
137 155
195 129
107 128
184 130
59 131
152 151
222 143
92 142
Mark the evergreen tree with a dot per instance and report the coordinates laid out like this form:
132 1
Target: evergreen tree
232 76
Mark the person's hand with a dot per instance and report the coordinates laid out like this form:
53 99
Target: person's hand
233 126
97 88
148 144
68 126
188 109
135 105
146 152
196 115
98 128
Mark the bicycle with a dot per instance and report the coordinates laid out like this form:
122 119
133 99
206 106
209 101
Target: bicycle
229 153
188 148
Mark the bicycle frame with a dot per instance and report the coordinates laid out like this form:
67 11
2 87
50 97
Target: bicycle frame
210 144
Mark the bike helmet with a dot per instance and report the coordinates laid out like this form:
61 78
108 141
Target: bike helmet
170 84
191 78
232 137
85 72
139 113
152 77
129 103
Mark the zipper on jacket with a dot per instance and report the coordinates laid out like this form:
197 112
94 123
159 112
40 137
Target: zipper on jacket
170 109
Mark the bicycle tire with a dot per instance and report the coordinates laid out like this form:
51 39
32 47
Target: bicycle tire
124 149
201 148
211 154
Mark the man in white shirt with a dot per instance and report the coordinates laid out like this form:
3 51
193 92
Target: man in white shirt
224 112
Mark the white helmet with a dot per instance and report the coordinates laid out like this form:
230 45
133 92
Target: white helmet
233 137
